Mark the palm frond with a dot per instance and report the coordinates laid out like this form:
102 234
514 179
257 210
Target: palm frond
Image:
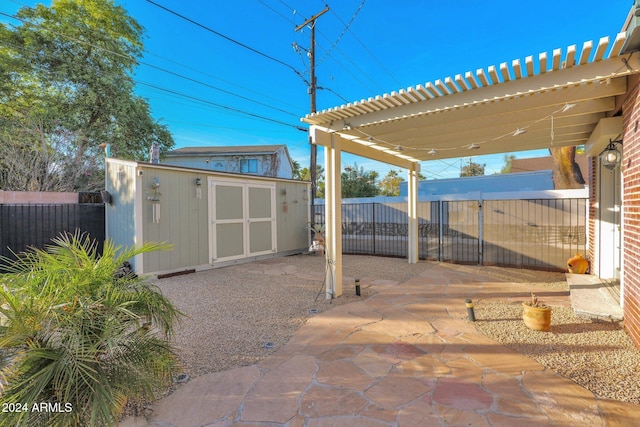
75 333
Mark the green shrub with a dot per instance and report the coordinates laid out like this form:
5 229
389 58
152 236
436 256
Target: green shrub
76 340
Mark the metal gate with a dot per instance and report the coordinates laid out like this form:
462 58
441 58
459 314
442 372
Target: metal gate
461 231
528 233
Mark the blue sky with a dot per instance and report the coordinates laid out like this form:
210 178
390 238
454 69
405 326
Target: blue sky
239 81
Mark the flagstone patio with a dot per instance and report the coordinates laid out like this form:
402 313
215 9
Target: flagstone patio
407 356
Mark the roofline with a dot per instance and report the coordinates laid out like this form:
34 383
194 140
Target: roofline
203 151
134 163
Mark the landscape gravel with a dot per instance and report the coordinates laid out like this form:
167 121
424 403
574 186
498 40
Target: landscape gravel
597 354
234 317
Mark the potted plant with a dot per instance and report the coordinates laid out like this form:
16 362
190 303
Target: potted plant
318 238
577 264
536 315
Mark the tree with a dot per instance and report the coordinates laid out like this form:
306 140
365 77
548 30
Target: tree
566 174
358 183
390 184
508 159
66 86
295 173
472 169
77 329
305 175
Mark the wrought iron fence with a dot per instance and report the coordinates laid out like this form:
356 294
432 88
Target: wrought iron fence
536 233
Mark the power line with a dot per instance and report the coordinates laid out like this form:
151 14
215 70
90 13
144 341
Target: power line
226 107
211 30
291 21
346 27
160 69
380 63
278 100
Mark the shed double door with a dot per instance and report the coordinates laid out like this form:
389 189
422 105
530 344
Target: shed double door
242 220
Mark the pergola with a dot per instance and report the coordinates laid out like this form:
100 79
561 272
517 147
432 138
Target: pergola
565 98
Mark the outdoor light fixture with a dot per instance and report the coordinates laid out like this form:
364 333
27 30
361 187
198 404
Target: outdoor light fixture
567 107
519 132
198 182
399 148
432 152
611 157
474 146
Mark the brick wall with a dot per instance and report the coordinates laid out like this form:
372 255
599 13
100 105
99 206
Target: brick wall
631 212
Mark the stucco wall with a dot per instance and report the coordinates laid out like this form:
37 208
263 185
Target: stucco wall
631 213
36 197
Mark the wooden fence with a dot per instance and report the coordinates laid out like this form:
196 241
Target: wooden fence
25 226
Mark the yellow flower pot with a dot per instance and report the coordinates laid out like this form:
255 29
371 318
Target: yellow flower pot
536 318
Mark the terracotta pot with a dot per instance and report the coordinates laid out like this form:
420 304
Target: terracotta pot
536 318
577 264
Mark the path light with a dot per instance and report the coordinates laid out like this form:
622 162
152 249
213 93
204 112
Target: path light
611 157
470 313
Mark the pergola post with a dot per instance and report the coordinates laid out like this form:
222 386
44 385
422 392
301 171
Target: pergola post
412 213
333 218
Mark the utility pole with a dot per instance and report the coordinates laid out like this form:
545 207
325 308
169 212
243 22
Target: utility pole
312 95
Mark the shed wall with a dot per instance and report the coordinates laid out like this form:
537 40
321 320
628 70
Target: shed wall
292 215
180 214
120 213
180 218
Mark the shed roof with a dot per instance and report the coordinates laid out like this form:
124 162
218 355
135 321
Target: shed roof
227 150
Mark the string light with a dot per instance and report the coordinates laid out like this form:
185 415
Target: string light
473 146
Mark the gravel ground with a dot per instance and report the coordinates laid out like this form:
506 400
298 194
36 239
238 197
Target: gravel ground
598 355
235 318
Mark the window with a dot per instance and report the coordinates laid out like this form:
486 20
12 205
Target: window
249 165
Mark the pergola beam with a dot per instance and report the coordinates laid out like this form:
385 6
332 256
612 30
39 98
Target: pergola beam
326 138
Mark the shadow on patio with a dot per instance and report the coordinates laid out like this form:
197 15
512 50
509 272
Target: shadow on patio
405 354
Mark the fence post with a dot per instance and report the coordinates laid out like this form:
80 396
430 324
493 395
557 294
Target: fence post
440 231
480 228
373 220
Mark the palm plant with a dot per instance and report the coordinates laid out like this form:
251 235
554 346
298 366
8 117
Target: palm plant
78 338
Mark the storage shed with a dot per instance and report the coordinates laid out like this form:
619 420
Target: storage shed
212 219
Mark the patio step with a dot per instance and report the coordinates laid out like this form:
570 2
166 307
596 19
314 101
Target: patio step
591 297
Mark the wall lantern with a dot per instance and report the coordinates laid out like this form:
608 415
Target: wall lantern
198 182
611 157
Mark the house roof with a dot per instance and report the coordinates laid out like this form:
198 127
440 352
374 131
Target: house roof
227 150
547 100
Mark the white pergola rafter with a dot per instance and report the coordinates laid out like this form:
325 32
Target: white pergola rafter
550 100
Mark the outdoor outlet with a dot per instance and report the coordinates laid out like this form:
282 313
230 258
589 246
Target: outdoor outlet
140 173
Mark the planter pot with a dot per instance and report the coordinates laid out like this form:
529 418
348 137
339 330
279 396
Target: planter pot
536 318
577 264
